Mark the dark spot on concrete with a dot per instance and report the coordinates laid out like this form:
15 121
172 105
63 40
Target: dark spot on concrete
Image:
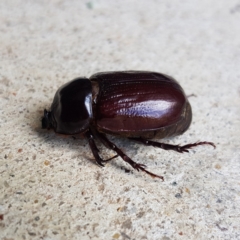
127 224
178 195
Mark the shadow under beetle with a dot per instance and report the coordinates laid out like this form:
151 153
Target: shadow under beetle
137 105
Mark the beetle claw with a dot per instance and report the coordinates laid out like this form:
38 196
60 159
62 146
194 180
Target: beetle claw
185 148
140 166
100 162
182 150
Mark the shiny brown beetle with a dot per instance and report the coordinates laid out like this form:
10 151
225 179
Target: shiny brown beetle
134 104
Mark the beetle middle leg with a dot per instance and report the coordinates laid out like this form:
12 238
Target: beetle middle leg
102 137
166 146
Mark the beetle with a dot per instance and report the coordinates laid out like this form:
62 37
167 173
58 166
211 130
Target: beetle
138 105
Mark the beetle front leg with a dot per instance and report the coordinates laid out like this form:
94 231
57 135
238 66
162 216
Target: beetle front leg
166 146
135 165
90 137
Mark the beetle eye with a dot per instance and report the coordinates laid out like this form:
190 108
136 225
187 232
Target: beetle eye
46 121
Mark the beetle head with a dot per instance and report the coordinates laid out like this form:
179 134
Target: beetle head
46 120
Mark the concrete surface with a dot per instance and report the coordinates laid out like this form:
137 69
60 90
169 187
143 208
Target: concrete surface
50 187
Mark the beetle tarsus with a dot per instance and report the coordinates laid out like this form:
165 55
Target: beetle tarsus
184 148
139 166
177 148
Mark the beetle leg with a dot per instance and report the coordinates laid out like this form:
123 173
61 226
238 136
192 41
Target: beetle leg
176 148
94 148
135 165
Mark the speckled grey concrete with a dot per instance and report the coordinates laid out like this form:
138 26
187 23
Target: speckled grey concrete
50 187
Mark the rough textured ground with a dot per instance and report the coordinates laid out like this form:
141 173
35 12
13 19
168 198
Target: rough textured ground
50 187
